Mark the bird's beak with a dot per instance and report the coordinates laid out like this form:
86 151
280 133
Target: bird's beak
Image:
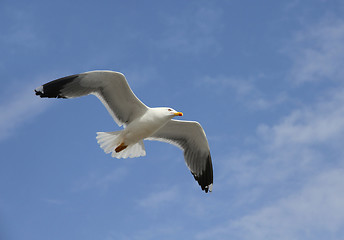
178 114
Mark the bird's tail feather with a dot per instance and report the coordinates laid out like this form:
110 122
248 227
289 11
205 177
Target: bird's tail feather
108 141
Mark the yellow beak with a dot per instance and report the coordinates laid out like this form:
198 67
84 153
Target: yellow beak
178 114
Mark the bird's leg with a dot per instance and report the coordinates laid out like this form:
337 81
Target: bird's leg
121 147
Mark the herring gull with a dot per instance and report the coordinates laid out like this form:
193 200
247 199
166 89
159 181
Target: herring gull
139 121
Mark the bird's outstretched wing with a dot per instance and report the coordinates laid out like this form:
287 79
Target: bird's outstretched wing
110 87
190 137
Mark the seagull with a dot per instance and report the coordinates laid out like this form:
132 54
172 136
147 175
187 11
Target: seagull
139 121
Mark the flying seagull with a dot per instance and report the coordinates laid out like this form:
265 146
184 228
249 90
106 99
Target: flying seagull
139 121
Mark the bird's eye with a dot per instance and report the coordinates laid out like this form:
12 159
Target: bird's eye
169 109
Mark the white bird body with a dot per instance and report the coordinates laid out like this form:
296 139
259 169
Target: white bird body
144 126
140 122
130 138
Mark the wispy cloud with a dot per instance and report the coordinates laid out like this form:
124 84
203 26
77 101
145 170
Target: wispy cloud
159 198
243 90
18 103
290 175
295 147
289 178
101 181
17 107
318 51
311 213
319 124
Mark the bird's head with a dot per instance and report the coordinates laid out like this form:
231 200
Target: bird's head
171 112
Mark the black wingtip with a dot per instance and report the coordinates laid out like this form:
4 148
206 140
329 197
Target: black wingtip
205 179
53 89
38 93
42 94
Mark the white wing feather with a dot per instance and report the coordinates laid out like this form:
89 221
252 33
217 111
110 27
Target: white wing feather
110 87
190 137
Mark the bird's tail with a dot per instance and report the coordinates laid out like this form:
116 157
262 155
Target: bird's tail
110 142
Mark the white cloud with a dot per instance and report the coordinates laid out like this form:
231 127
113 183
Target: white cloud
102 181
299 145
317 124
244 90
157 199
290 177
20 106
318 52
311 213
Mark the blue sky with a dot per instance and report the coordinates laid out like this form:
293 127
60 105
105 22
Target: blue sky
264 78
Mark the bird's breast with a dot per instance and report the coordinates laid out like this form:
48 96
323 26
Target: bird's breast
142 128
